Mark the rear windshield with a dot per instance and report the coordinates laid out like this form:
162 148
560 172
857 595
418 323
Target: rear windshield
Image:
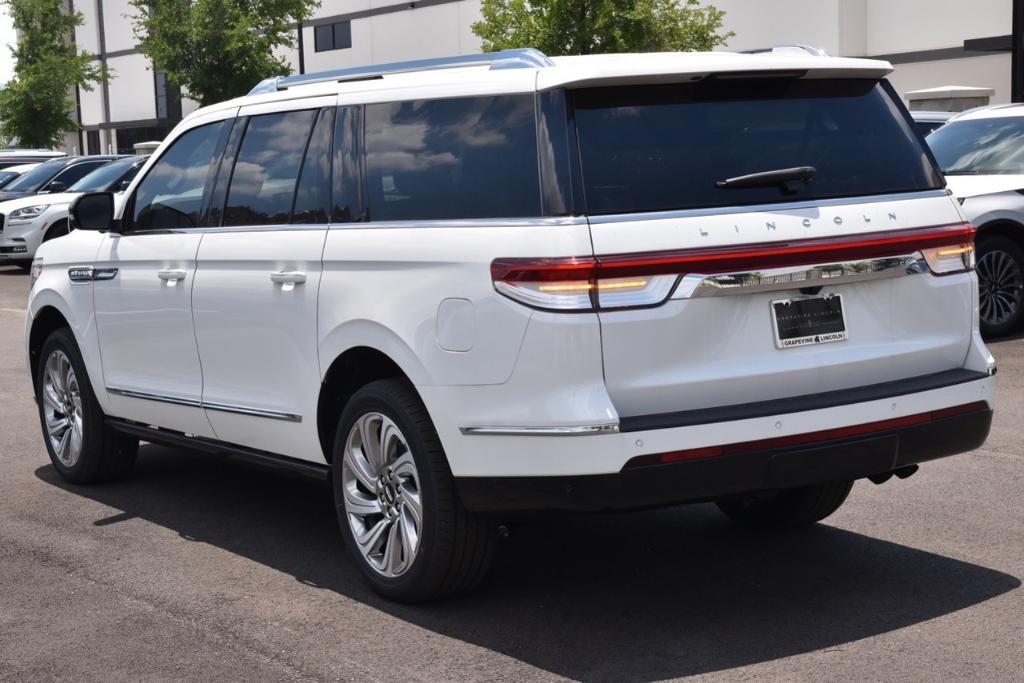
664 147
980 146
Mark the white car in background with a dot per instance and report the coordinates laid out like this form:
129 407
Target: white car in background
981 153
10 173
32 220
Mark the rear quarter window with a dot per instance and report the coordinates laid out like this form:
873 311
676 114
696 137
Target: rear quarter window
452 159
654 148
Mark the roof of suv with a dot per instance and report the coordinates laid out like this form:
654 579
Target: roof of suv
992 111
512 71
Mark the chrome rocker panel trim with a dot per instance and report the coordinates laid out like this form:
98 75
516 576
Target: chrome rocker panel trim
569 430
220 407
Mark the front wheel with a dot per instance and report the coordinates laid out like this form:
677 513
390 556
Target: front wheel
1000 271
396 502
82 448
792 508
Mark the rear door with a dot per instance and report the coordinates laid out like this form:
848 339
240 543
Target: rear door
730 259
258 278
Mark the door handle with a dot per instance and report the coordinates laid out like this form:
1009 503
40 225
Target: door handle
171 277
288 278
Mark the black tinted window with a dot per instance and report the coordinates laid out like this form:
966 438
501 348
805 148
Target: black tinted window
650 148
74 173
263 182
171 194
458 158
313 198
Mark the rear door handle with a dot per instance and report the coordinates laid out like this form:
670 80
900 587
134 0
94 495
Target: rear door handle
171 277
288 278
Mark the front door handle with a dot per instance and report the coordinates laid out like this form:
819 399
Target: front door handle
288 278
171 277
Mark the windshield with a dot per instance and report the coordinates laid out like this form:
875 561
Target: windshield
980 146
37 177
104 178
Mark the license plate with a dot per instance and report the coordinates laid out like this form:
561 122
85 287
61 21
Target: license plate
808 320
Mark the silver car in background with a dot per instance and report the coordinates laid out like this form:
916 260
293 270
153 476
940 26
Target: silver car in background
981 152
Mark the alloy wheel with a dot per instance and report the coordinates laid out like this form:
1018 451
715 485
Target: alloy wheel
1000 284
62 408
382 496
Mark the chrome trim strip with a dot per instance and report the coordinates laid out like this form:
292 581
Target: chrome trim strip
255 412
763 208
193 403
696 285
373 225
163 398
574 430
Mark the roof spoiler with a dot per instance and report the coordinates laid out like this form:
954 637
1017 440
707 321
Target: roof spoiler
527 58
788 48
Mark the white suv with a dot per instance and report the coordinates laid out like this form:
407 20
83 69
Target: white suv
465 288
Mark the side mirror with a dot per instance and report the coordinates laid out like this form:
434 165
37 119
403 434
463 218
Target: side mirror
56 186
92 211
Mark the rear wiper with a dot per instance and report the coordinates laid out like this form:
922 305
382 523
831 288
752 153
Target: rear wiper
789 179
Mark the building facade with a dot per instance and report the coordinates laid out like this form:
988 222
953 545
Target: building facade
930 42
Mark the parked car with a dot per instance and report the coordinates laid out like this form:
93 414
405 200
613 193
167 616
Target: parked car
32 220
982 154
15 156
927 121
56 175
461 289
9 173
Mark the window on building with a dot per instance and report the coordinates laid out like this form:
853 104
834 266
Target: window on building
171 194
168 97
263 181
337 36
92 141
454 158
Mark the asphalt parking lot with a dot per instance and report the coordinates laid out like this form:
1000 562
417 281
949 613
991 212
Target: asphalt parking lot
201 569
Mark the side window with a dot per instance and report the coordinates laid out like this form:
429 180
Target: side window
73 174
313 197
263 182
451 159
171 194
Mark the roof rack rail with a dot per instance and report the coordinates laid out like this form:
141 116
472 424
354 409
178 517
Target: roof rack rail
527 58
787 47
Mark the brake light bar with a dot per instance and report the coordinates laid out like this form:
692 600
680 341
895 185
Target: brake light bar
630 280
806 438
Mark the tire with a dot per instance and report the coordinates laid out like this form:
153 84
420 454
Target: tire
58 229
65 394
451 549
1000 271
787 509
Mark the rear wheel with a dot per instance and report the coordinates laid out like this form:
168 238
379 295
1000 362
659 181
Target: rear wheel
792 508
1000 271
82 448
397 507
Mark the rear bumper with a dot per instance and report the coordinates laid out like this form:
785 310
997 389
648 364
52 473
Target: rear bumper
767 469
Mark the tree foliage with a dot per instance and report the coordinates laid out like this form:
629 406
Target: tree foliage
218 49
579 27
36 106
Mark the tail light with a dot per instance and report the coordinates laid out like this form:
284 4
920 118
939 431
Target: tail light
588 283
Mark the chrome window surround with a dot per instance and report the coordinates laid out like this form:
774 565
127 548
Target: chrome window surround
208 405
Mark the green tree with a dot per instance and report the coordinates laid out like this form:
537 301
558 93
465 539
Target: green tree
36 106
218 49
579 27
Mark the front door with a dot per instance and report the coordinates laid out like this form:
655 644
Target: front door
256 287
143 293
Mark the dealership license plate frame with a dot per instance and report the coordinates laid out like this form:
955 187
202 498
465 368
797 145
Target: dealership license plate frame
809 332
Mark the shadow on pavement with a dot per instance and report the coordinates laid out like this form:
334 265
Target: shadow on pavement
639 596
